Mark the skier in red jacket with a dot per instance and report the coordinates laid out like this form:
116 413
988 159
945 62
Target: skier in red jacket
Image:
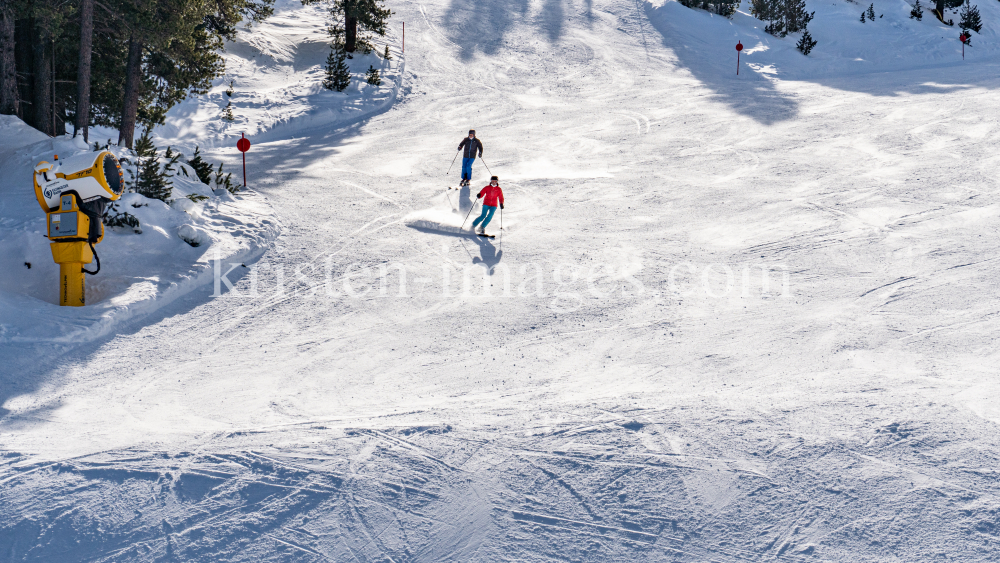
492 196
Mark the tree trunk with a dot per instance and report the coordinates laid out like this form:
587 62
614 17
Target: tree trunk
350 33
41 59
24 33
59 117
130 107
8 68
940 10
83 69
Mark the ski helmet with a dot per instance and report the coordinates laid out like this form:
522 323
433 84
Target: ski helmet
472 131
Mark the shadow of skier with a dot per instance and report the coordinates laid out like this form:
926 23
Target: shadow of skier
465 199
490 255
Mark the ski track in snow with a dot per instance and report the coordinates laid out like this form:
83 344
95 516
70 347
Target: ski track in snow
849 417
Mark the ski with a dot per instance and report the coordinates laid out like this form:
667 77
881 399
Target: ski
486 235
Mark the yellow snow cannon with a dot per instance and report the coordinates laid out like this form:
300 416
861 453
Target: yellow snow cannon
74 193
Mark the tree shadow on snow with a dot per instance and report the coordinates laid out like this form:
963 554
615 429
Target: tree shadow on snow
482 26
711 58
704 45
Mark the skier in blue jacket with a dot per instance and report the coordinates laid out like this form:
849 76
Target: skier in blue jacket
471 145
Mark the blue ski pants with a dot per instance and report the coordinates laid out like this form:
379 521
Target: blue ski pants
485 217
467 168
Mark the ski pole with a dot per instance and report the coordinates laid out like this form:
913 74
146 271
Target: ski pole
452 164
467 214
486 165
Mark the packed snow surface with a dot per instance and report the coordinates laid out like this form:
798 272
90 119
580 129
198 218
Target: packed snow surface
734 319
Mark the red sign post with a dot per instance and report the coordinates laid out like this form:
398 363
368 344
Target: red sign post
244 145
739 47
963 38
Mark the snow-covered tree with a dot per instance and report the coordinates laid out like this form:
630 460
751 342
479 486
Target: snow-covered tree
373 76
917 13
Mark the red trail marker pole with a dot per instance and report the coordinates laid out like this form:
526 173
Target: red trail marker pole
404 38
963 38
243 145
739 47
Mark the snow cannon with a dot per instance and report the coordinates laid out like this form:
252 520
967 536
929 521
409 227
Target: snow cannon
73 194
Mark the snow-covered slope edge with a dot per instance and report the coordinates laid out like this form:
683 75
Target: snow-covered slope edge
705 43
275 72
274 75
140 273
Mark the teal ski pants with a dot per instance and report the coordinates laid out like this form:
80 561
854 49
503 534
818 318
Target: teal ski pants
485 216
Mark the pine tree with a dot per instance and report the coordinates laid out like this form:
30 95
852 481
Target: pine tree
227 112
200 167
152 181
373 77
177 52
917 13
862 17
386 55
114 217
365 15
225 181
970 20
144 147
771 11
796 16
725 8
338 75
806 43
170 168
941 5
871 12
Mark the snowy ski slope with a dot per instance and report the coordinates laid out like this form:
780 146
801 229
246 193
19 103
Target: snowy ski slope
626 385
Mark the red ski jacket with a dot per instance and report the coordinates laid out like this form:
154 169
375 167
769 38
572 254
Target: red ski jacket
491 195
